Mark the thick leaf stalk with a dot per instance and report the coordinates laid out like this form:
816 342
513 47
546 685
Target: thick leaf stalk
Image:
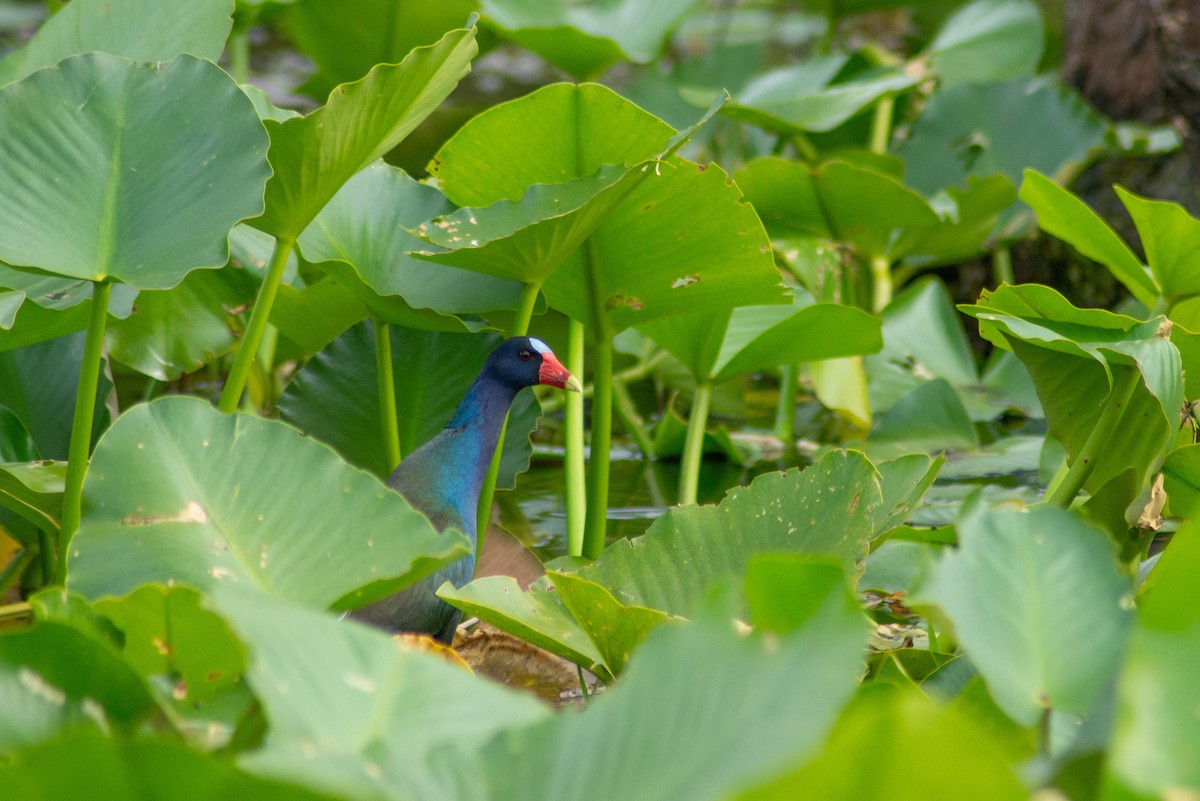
385 378
81 426
574 468
693 447
235 383
785 408
1114 407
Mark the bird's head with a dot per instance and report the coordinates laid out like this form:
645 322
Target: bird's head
526 361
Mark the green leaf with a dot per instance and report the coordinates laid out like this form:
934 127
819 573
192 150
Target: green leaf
984 129
37 384
1156 740
359 122
569 163
762 337
1181 480
36 308
986 41
178 493
1039 606
162 159
969 761
930 418
352 714
335 397
785 591
180 330
1065 216
586 38
671 731
34 491
136 770
1170 237
687 550
804 97
346 46
54 678
1166 602
130 28
359 238
537 615
1075 357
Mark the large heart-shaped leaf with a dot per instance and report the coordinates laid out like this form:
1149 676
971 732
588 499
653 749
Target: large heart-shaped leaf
871 208
359 238
353 714
35 308
586 38
727 344
687 550
1076 356
37 384
1038 604
178 493
758 706
151 164
53 677
983 129
358 123
569 163
180 330
346 46
134 29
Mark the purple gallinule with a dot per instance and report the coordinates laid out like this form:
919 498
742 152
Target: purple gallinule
443 477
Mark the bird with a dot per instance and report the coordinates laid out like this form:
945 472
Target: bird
442 479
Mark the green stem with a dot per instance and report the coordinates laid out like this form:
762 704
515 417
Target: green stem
881 125
386 380
595 527
1085 461
235 383
81 427
483 513
1002 269
881 283
785 408
631 421
693 448
573 461
1043 735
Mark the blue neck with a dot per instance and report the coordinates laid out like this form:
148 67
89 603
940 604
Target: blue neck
470 441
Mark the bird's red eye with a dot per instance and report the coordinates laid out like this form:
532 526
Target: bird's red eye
525 355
